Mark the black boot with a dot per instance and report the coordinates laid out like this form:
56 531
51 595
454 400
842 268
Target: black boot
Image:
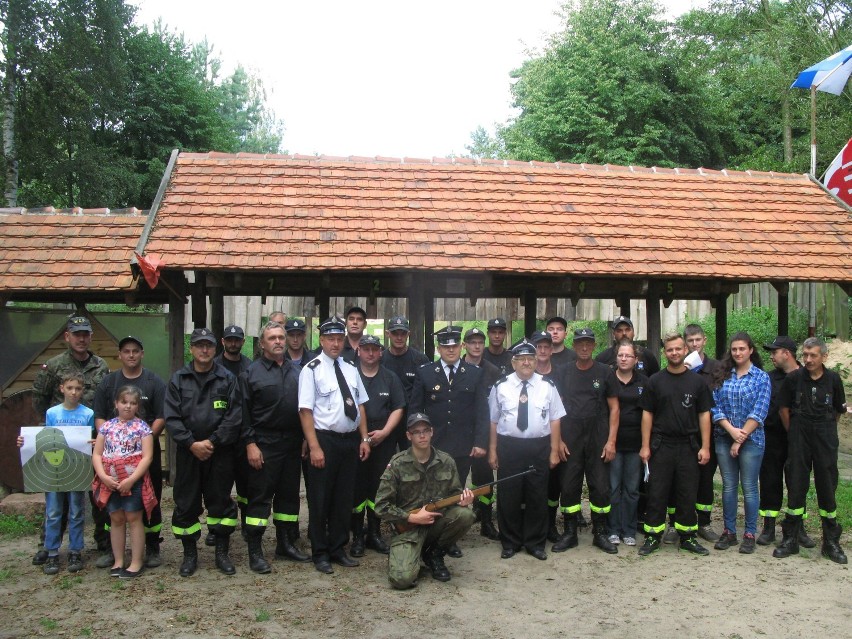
210 539
152 552
599 536
831 549
375 541
285 546
435 561
805 540
789 537
486 521
569 537
190 557
767 536
356 549
257 562
223 561
552 531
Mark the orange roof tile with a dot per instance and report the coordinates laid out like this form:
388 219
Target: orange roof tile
255 212
68 250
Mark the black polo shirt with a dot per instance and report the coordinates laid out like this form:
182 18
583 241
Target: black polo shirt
386 395
564 357
405 367
235 368
676 400
773 419
814 400
503 361
270 401
153 394
630 414
646 363
584 392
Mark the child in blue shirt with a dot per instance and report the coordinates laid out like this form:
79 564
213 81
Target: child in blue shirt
69 413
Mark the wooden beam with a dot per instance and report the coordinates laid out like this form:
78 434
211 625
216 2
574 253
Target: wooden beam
429 324
530 300
783 289
721 324
199 302
624 304
177 318
416 314
217 313
654 323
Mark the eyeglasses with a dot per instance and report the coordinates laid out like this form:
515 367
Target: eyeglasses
626 356
420 432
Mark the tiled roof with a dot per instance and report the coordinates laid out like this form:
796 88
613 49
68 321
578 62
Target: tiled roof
304 213
68 250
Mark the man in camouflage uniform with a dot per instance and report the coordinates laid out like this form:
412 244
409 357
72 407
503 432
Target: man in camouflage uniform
78 358
413 478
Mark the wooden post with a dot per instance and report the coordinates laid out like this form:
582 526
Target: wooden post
177 317
429 324
217 312
324 301
624 305
783 289
721 324
530 301
654 324
416 316
199 301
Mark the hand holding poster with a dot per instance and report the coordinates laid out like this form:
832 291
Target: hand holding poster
56 460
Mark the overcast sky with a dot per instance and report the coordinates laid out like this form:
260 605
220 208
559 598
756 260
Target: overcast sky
393 78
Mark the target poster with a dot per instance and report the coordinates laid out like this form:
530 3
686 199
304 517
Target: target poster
56 460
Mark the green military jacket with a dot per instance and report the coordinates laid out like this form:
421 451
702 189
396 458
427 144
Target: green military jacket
407 484
46 385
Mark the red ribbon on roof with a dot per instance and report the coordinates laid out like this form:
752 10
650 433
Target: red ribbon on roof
150 266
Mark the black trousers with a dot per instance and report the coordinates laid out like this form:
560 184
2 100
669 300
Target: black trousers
275 487
772 472
210 481
812 444
241 468
522 516
704 494
673 465
368 474
585 441
480 474
463 465
331 493
154 523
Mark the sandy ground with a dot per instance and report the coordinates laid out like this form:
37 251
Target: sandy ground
579 593
582 593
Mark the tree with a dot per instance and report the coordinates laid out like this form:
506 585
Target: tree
484 145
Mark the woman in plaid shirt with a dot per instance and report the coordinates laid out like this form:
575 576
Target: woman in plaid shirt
741 392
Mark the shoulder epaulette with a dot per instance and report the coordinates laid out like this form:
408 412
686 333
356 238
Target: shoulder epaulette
548 380
426 364
313 363
501 380
350 363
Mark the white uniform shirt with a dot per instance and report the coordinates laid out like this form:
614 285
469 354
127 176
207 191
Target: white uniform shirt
320 392
544 405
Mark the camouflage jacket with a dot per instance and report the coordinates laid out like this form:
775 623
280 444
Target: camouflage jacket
407 484
46 385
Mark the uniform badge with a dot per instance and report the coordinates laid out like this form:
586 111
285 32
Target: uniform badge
523 399
349 401
432 398
596 383
437 387
687 402
461 370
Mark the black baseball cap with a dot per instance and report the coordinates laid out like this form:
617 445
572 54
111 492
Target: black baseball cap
398 323
622 319
782 341
370 340
558 320
497 322
78 323
355 309
202 335
130 338
540 336
234 331
294 324
473 332
417 418
583 333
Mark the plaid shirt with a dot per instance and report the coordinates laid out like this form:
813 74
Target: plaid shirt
743 398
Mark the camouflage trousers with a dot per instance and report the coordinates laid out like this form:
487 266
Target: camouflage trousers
405 548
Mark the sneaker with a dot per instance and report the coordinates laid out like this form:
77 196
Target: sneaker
652 544
630 541
747 547
614 539
75 562
40 558
671 536
707 533
726 540
51 566
690 544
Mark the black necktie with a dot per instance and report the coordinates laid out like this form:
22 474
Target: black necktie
523 413
451 373
348 402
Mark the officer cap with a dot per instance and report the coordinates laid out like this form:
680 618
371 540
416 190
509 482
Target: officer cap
78 323
782 341
622 319
557 320
202 335
583 333
294 324
398 323
333 326
473 332
497 322
370 340
130 338
234 331
540 336
449 335
355 309
523 347
417 418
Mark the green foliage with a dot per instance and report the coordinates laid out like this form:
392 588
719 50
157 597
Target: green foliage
14 526
261 615
48 624
67 582
760 322
5 574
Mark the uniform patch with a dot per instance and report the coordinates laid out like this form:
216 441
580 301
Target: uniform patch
220 403
687 402
596 383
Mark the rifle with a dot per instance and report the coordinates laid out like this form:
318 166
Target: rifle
438 504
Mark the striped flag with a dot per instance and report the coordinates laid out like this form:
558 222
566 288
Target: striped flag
838 177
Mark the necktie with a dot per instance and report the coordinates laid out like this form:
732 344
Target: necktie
451 372
523 412
348 402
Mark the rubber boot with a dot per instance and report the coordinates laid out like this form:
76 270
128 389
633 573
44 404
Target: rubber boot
569 537
789 537
552 530
831 549
223 561
285 546
599 536
190 557
805 540
375 541
356 548
767 536
152 552
486 522
257 562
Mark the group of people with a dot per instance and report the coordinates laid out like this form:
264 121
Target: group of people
379 432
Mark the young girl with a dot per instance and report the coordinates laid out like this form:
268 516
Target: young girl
124 449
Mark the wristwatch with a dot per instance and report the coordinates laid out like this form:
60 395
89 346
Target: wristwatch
367 440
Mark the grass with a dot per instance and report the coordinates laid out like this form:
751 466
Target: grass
85 632
14 526
48 624
67 582
261 615
5 574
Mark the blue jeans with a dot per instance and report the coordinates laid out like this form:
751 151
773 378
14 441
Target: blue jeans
624 474
744 468
53 504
